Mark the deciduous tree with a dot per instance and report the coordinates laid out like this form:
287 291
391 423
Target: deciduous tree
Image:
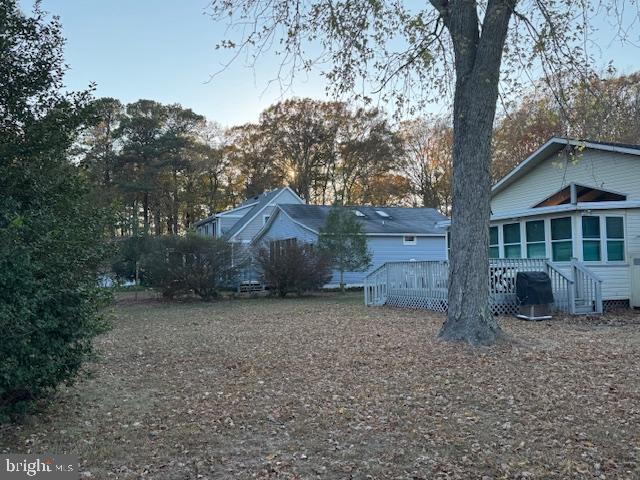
415 53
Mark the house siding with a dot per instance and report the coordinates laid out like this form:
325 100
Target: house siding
383 248
392 249
616 277
605 170
252 228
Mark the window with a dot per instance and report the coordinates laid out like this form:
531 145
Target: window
409 240
591 251
615 239
561 243
265 219
358 213
382 214
511 238
494 248
536 247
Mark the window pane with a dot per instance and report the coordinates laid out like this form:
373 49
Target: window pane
536 250
591 227
511 233
591 250
561 228
512 251
493 236
614 227
535 231
562 251
494 252
615 251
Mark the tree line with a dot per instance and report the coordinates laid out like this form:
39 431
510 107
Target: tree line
163 167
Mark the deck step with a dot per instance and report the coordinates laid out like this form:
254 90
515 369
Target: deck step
584 310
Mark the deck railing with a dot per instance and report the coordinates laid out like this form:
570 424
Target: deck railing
588 289
424 284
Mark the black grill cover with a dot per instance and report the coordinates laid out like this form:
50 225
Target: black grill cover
533 288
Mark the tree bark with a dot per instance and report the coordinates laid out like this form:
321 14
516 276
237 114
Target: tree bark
477 63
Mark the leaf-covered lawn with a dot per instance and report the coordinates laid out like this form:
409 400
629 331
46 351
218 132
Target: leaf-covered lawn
324 387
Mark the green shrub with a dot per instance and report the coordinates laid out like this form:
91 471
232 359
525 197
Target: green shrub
195 264
288 266
127 261
51 234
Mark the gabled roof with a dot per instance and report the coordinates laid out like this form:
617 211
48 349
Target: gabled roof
257 202
260 203
374 220
553 146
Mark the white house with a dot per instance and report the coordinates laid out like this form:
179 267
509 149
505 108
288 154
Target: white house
574 200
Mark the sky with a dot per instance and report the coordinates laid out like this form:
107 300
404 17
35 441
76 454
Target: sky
165 50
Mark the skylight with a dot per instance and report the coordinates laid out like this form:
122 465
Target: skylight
382 214
358 213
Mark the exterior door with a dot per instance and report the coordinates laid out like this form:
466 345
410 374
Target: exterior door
635 282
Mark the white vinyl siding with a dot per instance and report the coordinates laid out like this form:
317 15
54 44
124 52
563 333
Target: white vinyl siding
615 274
611 171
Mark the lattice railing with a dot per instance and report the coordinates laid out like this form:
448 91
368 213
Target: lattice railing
425 285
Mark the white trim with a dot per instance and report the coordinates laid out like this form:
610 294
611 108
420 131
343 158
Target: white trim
536 156
603 239
374 234
409 242
581 206
227 212
574 184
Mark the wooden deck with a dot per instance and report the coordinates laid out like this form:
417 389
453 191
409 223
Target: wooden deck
424 285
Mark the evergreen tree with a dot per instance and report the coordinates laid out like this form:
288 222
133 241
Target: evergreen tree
343 240
50 232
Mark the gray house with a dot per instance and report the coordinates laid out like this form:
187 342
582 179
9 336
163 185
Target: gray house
393 233
240 224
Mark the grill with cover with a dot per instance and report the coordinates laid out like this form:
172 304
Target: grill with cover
534 293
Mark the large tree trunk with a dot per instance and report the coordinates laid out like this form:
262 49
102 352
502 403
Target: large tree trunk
478 59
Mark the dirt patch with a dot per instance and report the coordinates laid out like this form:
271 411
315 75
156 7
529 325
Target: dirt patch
324 387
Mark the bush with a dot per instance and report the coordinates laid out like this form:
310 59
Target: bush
179 265
291 267
126 264
51 234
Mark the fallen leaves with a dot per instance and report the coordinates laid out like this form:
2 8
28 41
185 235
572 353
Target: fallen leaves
323 387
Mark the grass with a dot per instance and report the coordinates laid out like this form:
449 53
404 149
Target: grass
324 387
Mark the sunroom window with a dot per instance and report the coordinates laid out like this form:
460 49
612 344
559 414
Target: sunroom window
561 243
511 236
615 239
591 247
536 247
494 247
